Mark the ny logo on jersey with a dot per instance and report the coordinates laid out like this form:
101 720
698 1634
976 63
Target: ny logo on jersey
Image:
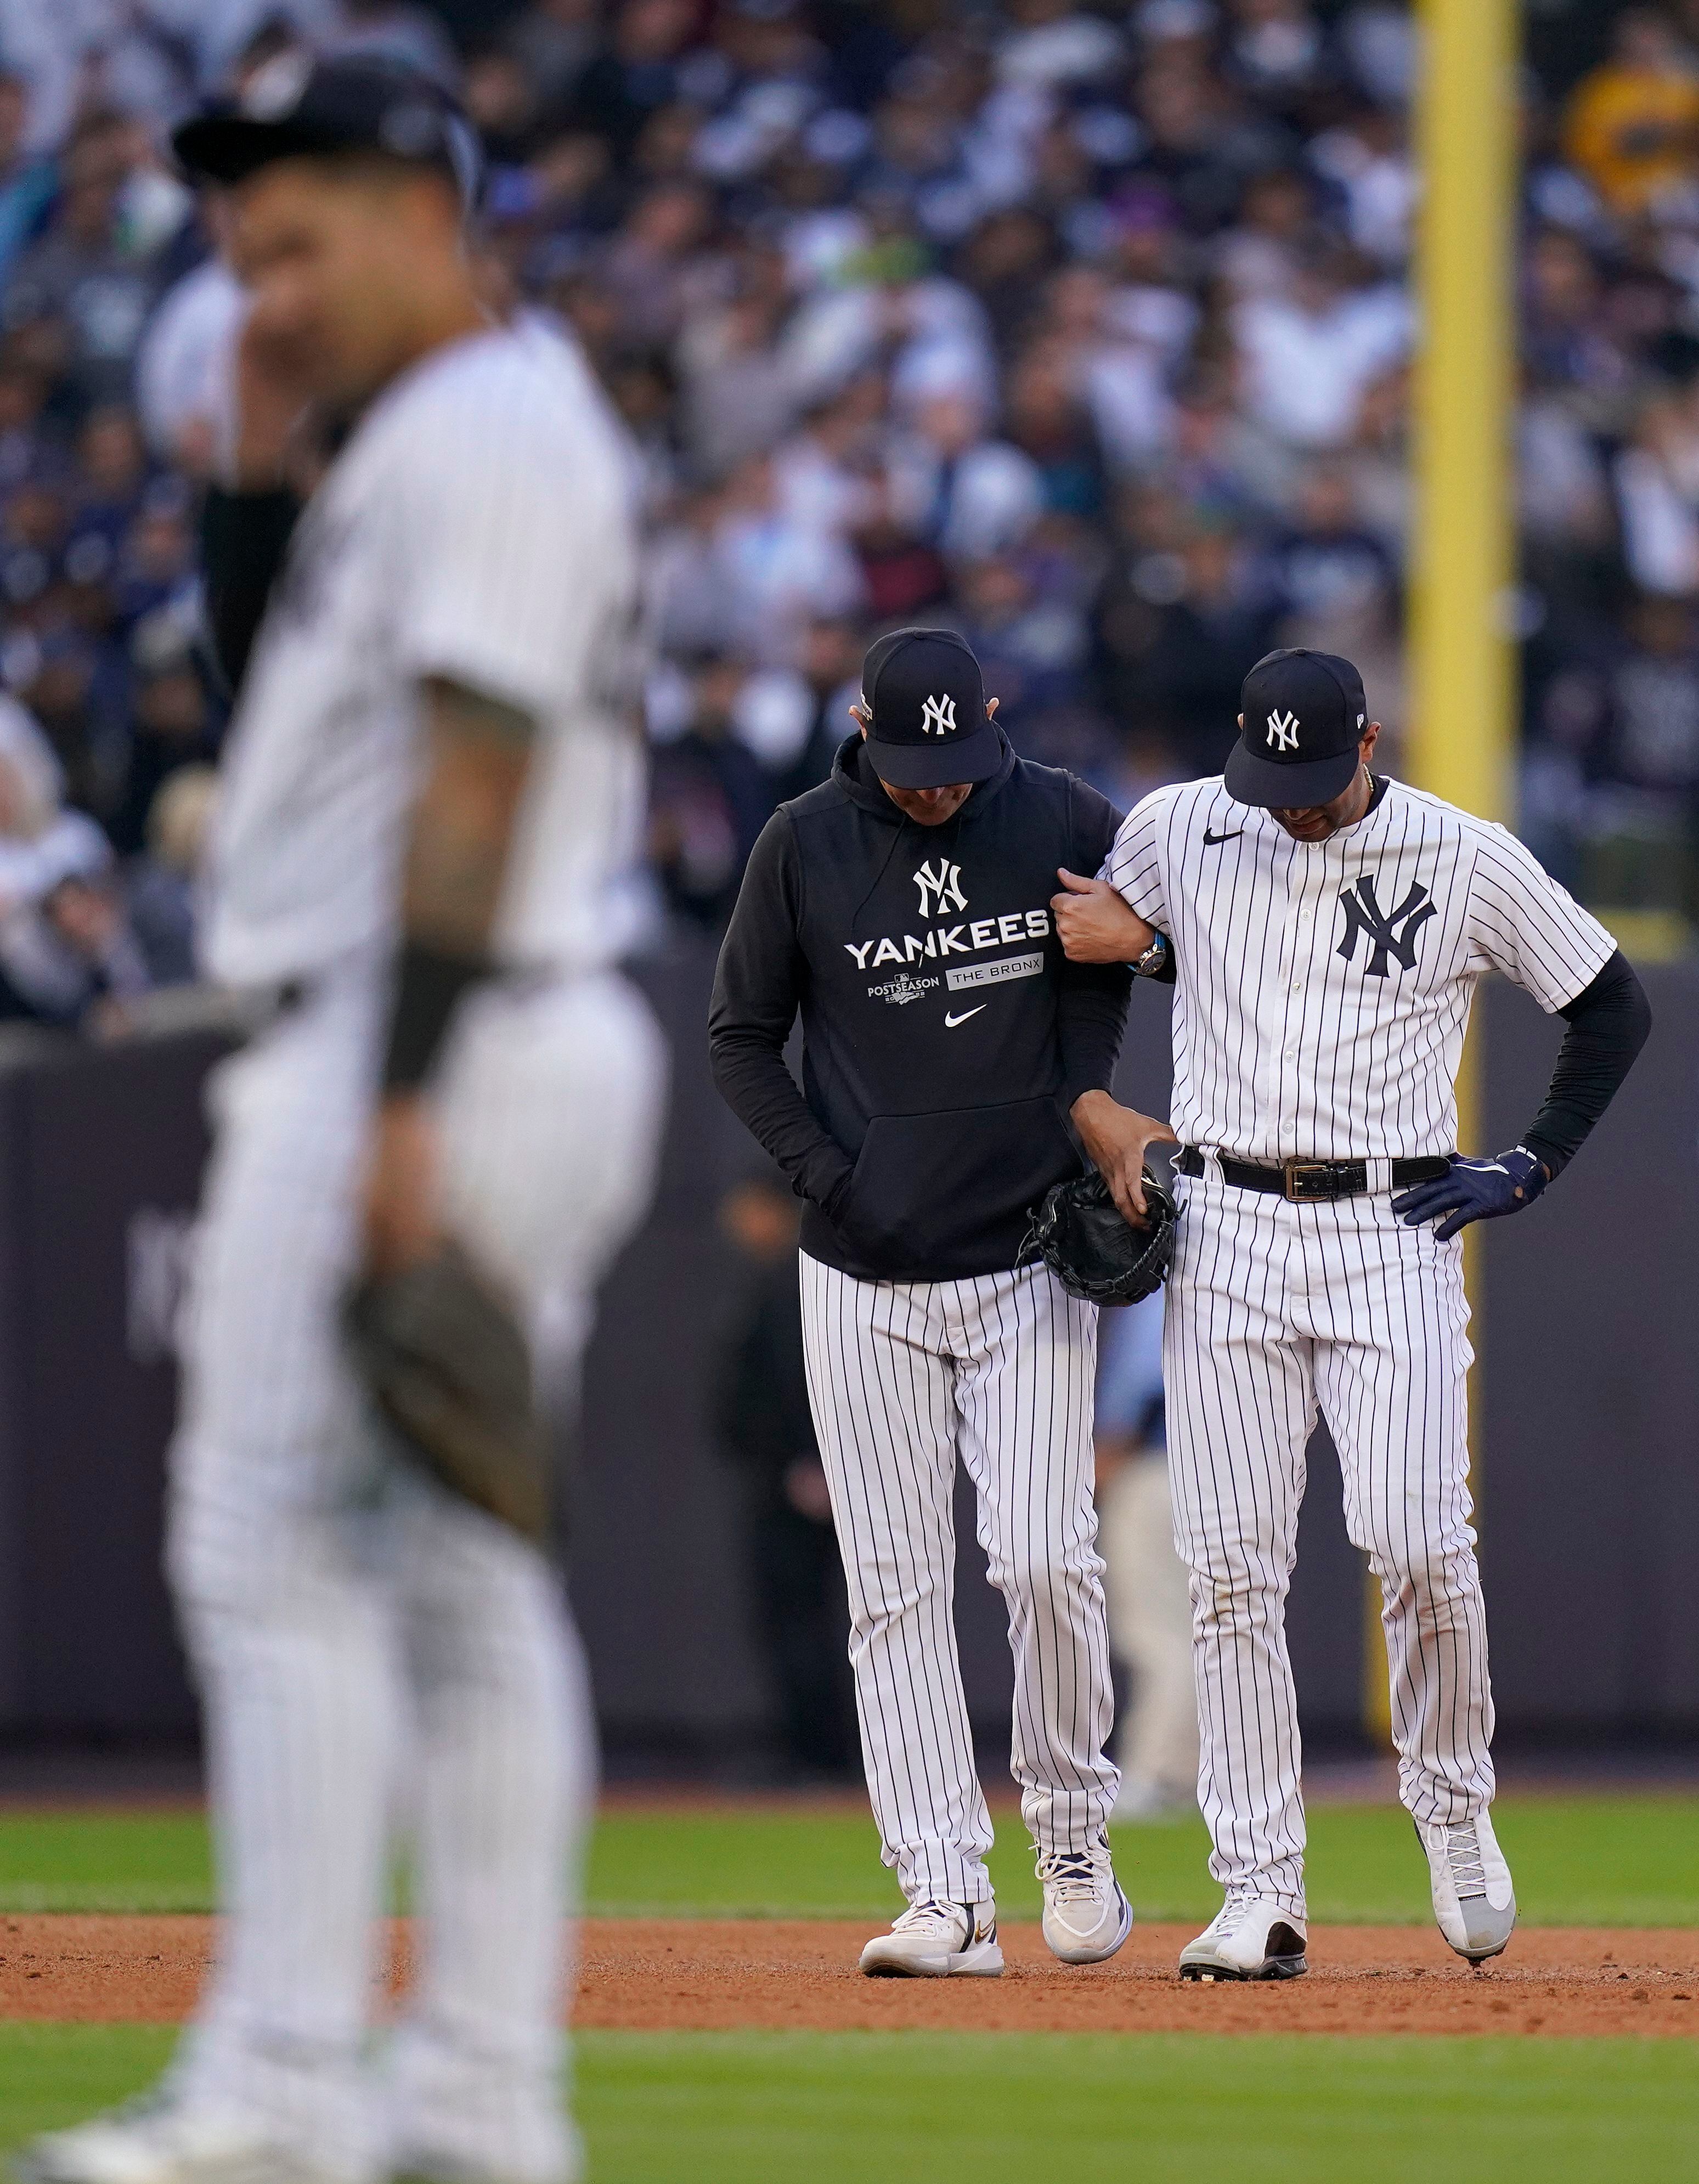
940 890
1283 730
938 716
1363 915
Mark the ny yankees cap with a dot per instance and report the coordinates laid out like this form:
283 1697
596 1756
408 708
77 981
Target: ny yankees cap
296 106
926 698
1304 717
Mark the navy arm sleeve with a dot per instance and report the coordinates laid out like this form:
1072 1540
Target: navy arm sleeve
244 537
1608 1024
757 988
1091 1012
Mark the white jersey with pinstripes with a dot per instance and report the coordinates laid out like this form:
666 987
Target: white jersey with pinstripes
1324 988
476 527
1322 996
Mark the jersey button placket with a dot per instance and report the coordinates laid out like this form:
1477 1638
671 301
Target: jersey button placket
1300 918
1274 1030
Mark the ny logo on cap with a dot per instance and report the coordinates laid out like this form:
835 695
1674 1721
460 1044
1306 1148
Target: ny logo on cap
940 890
275 88
938 716
1283 730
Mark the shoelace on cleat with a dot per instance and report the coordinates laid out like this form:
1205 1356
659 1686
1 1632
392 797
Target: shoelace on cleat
1463 1856
1232 1914
932 1911
1071 1875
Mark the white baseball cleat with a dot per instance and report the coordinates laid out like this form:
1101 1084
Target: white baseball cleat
1087 1916
156 2140
933 1940
1473 1899
1251 1937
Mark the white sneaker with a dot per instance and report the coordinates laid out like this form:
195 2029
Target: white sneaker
1473 1899
937 1940
1087 1916
156 2140
440 2169
1251 1937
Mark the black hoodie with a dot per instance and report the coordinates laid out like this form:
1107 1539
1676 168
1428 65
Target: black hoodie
945 1036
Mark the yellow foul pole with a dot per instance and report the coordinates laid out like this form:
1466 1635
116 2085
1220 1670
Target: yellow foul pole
1462 563
1461 666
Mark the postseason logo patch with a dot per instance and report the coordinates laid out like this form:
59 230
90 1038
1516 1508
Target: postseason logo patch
902 989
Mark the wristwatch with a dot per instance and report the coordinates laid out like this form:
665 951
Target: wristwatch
1153 961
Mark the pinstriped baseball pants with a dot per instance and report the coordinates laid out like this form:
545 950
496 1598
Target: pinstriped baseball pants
372 1652
905 1377
1278 1314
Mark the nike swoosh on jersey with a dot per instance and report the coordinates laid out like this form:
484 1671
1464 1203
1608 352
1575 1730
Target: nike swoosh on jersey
1215 841
951 1022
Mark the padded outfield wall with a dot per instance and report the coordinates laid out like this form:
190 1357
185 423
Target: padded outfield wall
1588 1431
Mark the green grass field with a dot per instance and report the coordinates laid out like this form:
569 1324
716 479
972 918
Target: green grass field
953 2109
1578 1861
960 2109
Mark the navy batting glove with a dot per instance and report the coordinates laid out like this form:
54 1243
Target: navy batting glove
1473 1190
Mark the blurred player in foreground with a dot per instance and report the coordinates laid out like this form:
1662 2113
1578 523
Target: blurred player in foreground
429 783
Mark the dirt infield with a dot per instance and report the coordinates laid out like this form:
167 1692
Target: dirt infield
720 1975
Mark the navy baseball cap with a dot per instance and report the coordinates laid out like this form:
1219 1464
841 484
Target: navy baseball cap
928 727
296 106
1304 715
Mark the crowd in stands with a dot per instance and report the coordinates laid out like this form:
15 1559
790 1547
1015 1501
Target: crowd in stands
1085 330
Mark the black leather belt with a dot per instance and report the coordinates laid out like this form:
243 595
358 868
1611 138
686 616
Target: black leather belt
1309 1181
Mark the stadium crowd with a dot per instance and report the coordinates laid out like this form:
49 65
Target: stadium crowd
1085 330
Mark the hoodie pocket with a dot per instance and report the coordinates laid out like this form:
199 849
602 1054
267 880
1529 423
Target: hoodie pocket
944 1192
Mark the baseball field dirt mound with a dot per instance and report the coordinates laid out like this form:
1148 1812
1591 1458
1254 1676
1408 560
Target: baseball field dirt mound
651 1974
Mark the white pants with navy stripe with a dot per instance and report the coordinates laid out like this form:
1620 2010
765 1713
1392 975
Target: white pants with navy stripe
373 1654
904 1378
1278 1313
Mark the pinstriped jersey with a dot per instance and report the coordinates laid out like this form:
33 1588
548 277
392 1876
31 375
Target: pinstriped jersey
477 527
1324 988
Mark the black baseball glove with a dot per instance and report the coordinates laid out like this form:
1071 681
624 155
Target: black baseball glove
1080 1235
448 1364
